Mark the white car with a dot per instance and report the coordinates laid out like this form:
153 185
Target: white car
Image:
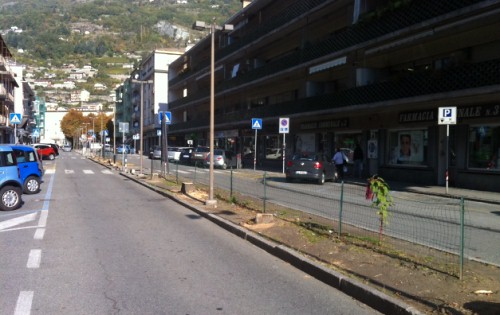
174 154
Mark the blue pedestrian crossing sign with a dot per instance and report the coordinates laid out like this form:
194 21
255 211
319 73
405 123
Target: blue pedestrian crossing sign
15 118
256 123
168 118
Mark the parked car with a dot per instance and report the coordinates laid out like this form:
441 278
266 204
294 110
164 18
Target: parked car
222 159
199 155
310 166
11 186
123 149
108 148
45 151
30 168
174 153
67 148
55 147
185 157
155 152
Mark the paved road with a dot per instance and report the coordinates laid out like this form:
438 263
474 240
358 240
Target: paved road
93 242
430 220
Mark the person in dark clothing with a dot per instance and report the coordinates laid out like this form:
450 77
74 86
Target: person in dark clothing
358 158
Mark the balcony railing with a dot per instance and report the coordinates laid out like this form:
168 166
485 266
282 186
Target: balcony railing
469 76
415 12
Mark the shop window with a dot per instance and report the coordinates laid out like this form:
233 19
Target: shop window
484 147
408 147
347 142
273 148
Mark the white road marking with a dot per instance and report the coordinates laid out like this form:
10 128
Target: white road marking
88 172
34 259
42 222
23 305
39 234
106 172
50 171
69 171
17 221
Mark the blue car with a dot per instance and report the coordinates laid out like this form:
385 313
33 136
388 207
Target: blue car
10 181
30 168
121 148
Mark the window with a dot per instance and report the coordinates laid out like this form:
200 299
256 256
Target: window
484 147
408 147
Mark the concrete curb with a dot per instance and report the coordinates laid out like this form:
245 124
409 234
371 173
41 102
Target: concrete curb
357 290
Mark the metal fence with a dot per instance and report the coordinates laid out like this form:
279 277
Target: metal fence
433 232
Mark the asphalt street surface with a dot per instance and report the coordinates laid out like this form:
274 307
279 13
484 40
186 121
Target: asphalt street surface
94 242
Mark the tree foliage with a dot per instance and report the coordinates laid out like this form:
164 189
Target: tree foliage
74 123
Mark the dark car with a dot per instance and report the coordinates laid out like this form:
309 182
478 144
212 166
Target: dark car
30 168
222 159
310 166
185 157
199 155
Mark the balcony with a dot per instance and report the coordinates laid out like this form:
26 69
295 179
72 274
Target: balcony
368 29
431 83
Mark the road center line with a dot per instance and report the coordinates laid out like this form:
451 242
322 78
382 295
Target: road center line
23 305
39 234
34 259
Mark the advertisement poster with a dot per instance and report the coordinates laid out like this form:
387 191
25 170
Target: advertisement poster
372 149
410 147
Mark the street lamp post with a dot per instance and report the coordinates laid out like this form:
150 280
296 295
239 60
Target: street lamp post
201 26
141 125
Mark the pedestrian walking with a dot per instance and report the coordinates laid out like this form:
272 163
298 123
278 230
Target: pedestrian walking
339 160
358 158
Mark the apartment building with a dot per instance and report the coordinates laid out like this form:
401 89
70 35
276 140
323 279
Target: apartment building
373 72
8 84
147 85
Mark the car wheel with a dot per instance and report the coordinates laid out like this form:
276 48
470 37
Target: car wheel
51 156
321 180
10 197
32 185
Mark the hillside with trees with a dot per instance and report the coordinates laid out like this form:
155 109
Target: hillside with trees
57 32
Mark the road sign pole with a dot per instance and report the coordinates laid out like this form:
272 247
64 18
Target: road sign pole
283 152
255 152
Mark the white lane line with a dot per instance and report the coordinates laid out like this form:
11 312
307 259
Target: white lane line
34 259
106 172
49 171
69 171
39 234
42 222
88 172
17 221
23 305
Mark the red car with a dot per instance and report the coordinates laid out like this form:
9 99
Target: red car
45 151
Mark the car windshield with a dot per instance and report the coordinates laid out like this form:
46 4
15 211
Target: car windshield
202 149
218 152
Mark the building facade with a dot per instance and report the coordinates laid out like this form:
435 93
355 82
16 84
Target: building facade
373 72
148 84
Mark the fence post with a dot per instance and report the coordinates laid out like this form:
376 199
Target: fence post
177 172
341 205
195 166
462 236
264 211
231 184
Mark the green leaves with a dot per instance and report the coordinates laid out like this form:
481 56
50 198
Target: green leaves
381 197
